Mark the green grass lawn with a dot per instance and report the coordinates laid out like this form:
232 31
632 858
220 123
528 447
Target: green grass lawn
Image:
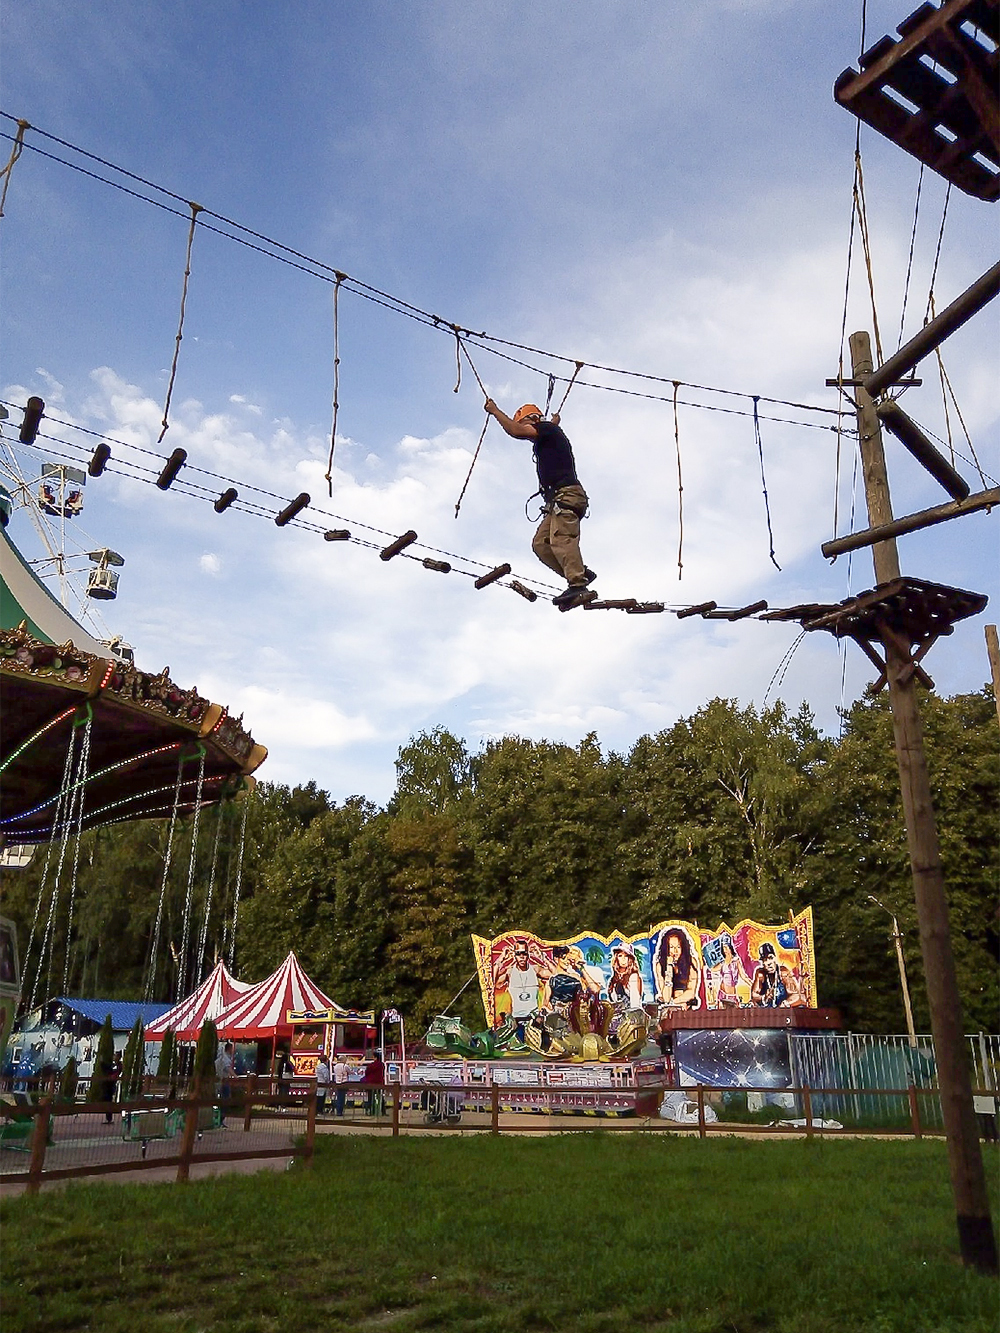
591 1231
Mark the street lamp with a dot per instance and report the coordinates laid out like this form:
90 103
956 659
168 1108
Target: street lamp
897 937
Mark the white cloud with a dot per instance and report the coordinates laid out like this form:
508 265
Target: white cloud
209 563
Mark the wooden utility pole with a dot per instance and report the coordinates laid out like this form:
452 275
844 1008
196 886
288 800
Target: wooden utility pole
993 650
975 1228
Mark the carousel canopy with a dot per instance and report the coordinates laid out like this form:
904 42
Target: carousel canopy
219 989
74 714
263 1010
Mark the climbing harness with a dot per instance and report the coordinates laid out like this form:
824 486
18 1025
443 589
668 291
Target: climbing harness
165 424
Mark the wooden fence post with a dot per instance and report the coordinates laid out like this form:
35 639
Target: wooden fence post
915 1112
187 1141
311 1127
807 1106
248 1104
495 1108
39 1140
701 1111
397 1097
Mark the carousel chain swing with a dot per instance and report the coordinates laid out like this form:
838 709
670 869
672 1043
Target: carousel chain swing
182 968
209 893
239 880
75 796
60 798
83 776
168 851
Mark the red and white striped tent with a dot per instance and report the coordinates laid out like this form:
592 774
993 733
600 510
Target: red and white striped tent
219 989
263 1010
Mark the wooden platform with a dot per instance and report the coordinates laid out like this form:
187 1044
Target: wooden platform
912 611
934 92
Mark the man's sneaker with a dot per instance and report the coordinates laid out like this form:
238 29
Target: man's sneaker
575 595
588 576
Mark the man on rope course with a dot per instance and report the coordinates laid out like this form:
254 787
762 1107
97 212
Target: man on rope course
557 541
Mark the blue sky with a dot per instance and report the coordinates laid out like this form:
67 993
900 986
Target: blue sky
661 187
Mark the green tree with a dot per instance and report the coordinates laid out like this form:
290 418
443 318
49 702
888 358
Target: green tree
99 1090
166 1065
134 1062
68 1080
205 1051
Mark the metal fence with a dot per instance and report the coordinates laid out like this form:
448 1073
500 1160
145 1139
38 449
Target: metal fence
869 1064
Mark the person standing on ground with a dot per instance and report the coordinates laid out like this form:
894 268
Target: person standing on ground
557 541
341 1074
225 1067
322 1083
375 1078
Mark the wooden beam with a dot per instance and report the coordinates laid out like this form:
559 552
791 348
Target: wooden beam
898 527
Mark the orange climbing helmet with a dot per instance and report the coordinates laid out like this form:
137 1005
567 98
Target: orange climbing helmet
527 410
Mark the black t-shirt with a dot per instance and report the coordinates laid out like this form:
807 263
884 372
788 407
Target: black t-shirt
553 456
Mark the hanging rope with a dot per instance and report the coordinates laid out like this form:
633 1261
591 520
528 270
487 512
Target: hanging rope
680 489
460 350
84 771
843 339
781 670
763 482
965 429
203 938
239 881
147 992
475 456
15 153
579 367
937 255
182 969
165 424
909 262
859 190
850 589
336 379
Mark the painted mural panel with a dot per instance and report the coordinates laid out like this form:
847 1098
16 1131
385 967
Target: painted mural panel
673 965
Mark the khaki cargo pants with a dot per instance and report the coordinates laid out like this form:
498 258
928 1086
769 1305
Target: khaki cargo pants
557 541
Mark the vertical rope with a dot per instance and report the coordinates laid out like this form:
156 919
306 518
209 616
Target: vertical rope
475 456
339 278
458 358
84 771
239 882
965 429
937 255
909 262
859 189
680 489
850 574
15 153
147 991
165 424
579 367
203 939
763 480
843 337
182 969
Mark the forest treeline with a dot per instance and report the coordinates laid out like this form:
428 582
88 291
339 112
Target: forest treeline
730 813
